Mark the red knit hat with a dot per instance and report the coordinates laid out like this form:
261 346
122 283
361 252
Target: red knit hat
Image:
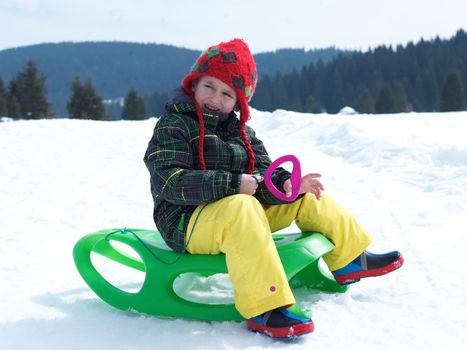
232 63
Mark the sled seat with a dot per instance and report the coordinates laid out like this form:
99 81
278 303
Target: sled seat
300 254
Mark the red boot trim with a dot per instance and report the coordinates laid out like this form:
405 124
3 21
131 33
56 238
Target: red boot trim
355 276
284 332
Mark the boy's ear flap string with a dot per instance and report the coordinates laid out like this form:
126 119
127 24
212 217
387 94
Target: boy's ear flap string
201 131
244 117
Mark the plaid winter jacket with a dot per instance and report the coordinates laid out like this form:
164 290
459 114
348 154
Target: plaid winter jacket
178 185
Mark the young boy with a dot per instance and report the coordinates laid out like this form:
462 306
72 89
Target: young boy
209 199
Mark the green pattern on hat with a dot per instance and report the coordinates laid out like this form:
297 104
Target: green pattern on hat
195 67
248 91
213 52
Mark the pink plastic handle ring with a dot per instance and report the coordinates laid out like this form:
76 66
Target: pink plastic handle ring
295 178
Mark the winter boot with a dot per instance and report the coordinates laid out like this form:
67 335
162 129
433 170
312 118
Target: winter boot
282 322
368 265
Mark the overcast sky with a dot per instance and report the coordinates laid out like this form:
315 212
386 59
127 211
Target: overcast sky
265 24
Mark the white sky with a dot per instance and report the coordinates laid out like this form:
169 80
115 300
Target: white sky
265 24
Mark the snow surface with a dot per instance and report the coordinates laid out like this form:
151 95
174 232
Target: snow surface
403 176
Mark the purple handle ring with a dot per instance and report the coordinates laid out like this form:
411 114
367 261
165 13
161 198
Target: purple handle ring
295 178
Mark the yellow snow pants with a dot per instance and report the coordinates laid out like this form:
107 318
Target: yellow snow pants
240 227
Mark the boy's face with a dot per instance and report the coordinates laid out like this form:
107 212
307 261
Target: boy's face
213 95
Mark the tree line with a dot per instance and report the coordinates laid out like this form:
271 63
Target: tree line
26 98
424 77
427 76
114 67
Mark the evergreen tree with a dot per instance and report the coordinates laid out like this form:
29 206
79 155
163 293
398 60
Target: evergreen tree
304 84
452 95
385 101
366 104
279 96
3 100
262 99
317 93
84 102
31 93
295 104
77 105
335 99
312 105
431 92
134 108
400 98
13 106
96 107
292 91
156 103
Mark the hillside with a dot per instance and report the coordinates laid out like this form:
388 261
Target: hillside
115 67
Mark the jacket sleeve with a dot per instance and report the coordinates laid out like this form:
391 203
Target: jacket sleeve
262 161
169 159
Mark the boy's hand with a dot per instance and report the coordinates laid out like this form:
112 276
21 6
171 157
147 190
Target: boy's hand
309 183
248 184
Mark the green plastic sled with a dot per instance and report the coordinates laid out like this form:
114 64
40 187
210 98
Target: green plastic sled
299 253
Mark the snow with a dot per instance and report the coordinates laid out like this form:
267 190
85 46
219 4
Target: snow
347 110
403 176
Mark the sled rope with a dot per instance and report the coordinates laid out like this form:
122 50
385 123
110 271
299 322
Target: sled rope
126 230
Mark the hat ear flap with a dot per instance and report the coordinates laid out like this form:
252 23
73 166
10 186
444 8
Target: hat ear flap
193 84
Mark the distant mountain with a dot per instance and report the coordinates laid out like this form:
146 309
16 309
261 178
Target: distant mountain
284 61
115 67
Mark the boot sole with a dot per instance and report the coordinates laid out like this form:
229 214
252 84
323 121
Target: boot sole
380 271
284 332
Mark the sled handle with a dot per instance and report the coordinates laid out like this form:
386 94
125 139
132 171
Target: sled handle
295 178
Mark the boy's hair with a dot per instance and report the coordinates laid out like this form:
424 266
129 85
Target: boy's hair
232 63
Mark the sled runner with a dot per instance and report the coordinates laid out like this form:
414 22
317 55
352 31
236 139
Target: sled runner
299 253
